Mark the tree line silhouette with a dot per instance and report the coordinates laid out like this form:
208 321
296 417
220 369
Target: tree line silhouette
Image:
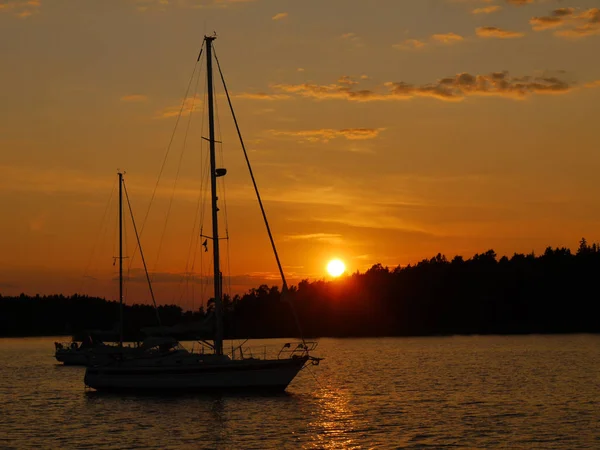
550 293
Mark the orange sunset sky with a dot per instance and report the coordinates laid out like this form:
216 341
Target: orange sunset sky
380 131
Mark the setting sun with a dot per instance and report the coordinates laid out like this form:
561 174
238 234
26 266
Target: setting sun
336 267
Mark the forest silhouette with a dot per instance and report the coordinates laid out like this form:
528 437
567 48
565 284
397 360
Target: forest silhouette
550 293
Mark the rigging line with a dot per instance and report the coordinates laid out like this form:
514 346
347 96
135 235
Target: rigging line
204 180
187 273
104 226
162 167
190 272
284 289
185 137
127 278
204 163
141 253
195 255
115 251
203 279
115 240
193 241
223 187
197 223
125 246
194 238
315 377
198 202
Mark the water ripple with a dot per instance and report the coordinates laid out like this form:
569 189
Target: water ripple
455 392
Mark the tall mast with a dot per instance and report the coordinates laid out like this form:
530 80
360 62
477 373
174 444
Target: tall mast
120 259
213 189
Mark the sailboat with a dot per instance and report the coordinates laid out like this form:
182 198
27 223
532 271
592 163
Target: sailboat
165 365
94 349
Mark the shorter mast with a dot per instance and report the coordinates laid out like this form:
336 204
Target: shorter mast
120 259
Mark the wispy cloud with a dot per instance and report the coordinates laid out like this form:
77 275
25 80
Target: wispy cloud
133 98
487 9
557 18
318 237
447 38
65 181
327 134
147 5
410 44
261 96
161 5
460 86
498 33
21 8
492 8
279 16
520 2
573 23
252 279
352 38
347 80
439 38
187 107
34 179
455 88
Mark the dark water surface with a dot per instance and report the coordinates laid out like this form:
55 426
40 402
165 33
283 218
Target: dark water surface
539 392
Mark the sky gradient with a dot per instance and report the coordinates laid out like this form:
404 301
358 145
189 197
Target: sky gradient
380 132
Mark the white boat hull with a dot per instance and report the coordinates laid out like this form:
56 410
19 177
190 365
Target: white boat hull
236 374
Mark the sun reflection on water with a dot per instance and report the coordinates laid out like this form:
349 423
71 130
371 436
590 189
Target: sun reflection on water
333 421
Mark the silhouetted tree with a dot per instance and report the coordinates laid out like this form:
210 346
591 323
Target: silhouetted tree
551 293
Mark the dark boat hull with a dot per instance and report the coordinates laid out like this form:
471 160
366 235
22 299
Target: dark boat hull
240 375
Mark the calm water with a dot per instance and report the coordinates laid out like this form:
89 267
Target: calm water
455 392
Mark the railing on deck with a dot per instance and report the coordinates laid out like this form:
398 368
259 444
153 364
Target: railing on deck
242 352
296 349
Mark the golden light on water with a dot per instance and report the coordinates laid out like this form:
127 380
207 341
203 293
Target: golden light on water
336 267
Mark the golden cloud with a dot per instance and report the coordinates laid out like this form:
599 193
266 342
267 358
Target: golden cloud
347 80
487 9
21 8
447 38
520 2
280 16
319 237
161 5
187 107
498 33
574 25
496 7
410 44
327 134
353 38
262 96
455 88
416 44
557 18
